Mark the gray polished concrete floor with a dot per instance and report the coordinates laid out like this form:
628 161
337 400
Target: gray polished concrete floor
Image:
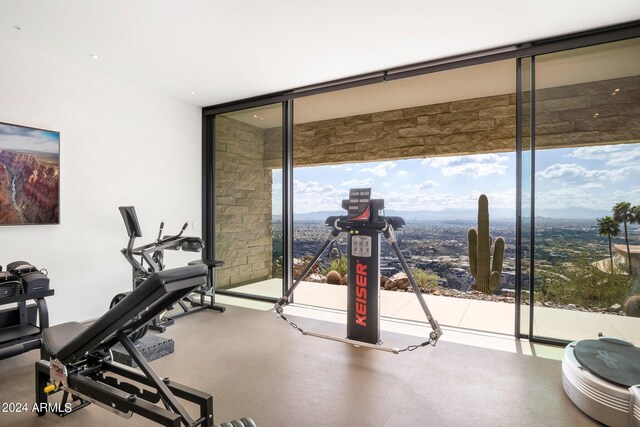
255 365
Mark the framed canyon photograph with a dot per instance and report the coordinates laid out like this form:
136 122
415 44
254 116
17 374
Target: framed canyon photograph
29 175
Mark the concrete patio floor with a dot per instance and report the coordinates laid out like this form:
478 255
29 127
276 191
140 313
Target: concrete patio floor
468 314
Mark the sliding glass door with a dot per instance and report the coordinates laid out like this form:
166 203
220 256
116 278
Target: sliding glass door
552 139
429 146
587 192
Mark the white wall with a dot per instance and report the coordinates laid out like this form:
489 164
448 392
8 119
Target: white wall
120 145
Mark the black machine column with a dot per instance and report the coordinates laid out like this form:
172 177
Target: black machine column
363 260
363 288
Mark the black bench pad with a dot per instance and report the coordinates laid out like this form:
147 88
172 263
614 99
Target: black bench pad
56 337
146 301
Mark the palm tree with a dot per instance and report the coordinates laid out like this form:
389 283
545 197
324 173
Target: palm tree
607 226
622 214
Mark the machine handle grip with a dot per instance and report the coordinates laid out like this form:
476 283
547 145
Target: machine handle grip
160 231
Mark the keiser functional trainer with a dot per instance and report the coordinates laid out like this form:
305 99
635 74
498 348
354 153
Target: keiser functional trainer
364 225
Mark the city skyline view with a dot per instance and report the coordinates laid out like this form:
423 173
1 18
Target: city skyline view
590 178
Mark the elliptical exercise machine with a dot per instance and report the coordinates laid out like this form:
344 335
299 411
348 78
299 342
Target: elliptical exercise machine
151 260
364 225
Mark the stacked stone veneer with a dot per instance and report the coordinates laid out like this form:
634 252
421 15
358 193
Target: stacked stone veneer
243 204
564 118
245 154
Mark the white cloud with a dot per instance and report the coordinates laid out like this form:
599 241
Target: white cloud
573 175
402 173
501 199
614 155
474 165
428 200
311 187
426 185
311 196
354 183
380 170
582 196
569 197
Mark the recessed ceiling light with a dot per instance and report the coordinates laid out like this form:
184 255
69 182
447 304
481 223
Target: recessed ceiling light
17 27
193 92
255 116
94 56
617 90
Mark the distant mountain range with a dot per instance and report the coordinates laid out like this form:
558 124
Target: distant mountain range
575 213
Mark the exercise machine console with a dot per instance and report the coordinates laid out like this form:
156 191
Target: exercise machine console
364 225
149 258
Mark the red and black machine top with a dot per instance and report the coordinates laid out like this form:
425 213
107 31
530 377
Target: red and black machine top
363 212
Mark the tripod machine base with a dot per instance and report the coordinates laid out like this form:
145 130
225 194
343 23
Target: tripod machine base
363 318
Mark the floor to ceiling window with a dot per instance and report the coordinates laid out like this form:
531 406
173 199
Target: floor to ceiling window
248 201
587 189
525 321
557 159
429 146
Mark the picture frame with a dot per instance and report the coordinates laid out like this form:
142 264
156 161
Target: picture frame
29 175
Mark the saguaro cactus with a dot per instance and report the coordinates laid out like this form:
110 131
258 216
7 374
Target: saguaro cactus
483 269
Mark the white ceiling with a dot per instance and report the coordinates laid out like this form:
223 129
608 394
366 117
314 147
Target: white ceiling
229 50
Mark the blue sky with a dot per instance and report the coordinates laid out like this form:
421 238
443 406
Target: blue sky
593 177
589 177
22 138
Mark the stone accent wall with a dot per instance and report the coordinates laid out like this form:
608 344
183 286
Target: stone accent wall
243 204
564 117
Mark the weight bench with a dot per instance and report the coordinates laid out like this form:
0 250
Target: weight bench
81 365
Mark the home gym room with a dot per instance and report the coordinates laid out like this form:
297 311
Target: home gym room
301 214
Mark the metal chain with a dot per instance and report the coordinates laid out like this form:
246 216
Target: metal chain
433 337
280 314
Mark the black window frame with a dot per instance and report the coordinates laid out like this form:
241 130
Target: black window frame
286 98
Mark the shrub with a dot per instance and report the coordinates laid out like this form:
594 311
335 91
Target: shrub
632 306
426 280
334 278
583 285
339 265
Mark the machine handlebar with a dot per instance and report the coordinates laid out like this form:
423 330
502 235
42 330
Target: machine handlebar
160 231
148 252
339 222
